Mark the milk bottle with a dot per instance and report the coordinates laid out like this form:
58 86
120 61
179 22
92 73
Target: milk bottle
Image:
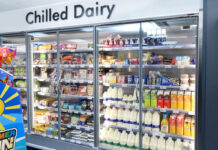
153 143
107 116
191 145
137 141
156 122
110 93
123 139
105 98
114 96
125 99
148 119
116 139
131 140
133 118
178 145
120 96
161 144
169 144
130 100
185 145
120 117
126 118
103 135
113 117
146 142
110 135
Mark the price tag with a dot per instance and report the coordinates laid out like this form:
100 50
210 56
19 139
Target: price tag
167 66
69 126
50 136
181 66
163 110
151 87
150 109
56 137
43 135
176 111
124 85
163 87
63 139
77 127
183 88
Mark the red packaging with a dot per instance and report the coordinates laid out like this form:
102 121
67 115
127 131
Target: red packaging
167 99
160 99
180 124
173 123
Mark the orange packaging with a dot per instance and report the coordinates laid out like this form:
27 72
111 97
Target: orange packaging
187 101
174 100
179 124
193 101
180 100
193 127
187 126
173 124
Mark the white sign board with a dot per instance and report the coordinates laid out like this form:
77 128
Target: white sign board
87 12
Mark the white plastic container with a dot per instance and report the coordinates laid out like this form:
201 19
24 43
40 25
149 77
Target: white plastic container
148 120
156 121
153 143
169 144
161 144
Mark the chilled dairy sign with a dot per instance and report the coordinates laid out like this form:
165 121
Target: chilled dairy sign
79 11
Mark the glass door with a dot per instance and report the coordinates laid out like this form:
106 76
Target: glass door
45 97
18 69
169 71
118 62
76 86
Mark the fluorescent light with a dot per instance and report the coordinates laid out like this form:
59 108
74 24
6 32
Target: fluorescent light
38 34
77 40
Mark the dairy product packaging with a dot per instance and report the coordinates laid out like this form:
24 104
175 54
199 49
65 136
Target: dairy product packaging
187 101
160 99
153 143
133 119
161 144
137 141
187 126
180 100
169 144
123 139
147 98
193 101
107 116
131 140
120 95
165 124
148 120
180 124
146 142
104 134
185 145
178 145
110 135
172 123
113 117
116 139
120 115
156 122
174 100
126 118
167 99
154 98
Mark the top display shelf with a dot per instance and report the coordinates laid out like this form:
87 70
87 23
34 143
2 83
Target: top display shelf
164 47
64 51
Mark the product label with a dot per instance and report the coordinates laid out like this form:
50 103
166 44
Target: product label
164 128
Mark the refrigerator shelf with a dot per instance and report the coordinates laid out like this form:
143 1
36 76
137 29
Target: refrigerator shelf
46 94
120 49
78 142
46 66
170 66
76 50
159 134
77 111
167 47
77 81
44 80
45 51
44 135
20 77
21 89
75 96
46 122
162 87
151 108
76 66
12 66
84 128
118 66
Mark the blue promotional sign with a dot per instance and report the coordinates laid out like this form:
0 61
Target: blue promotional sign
12 134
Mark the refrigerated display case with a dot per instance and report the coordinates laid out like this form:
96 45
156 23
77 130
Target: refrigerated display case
168 71
126 85
18 68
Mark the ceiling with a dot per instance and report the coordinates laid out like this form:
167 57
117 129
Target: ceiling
8 5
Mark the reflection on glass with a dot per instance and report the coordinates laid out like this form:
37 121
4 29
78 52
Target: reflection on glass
169 62
45 103
76 84
118 48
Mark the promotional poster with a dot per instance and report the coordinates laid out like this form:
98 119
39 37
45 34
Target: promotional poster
12 134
